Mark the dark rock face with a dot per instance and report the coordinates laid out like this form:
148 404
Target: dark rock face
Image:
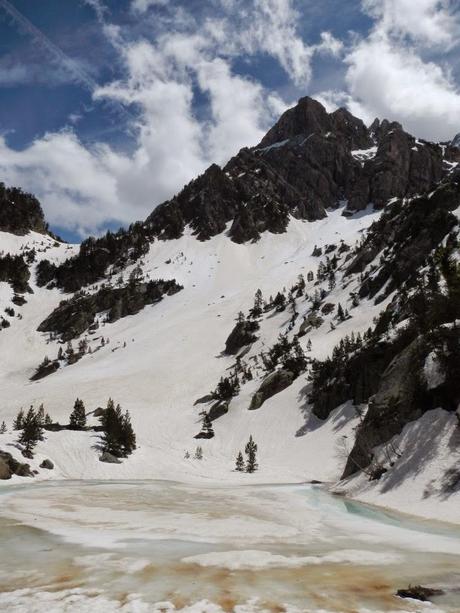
20 212
218 409
9 466
414 230
206 435
395 404
241 335
271 385
204 399
72 317
308 161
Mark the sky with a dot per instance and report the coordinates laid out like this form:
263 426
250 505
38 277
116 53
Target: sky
109 107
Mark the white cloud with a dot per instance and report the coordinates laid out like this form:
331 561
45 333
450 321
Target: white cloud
434 22
389 74
141 6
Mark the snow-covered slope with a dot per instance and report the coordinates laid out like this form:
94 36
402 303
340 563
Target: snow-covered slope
158 362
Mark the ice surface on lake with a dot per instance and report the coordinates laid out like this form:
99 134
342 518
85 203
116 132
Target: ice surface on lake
163 546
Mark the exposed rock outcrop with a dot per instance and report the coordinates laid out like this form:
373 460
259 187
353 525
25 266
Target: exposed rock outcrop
271 385
72 317
241 335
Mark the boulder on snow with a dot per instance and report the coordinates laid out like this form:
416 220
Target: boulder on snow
5 470
203 434
109 458
218 409
312 321
327 308
9 466
47 464
271 385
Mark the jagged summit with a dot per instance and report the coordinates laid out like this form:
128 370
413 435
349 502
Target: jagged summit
455 142
310 117
309 161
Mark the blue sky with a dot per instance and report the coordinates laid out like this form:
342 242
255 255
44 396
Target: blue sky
115 104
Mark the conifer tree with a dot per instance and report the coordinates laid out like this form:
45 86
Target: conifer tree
128 438
118 436
31 432
206 425
18 423
340 313
251 450
187 455
239 462
198 453
78 415
41 414
3 428
48 420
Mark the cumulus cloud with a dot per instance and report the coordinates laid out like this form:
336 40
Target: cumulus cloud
390 74
433 22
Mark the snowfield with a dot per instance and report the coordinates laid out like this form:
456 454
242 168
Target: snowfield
161 360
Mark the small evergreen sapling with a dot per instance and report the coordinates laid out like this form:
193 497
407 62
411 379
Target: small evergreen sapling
251 450
41 414
239 462
198 453
18 423
3 428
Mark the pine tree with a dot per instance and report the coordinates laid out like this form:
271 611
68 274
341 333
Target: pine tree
250 450
128 438
206 425
31 433
48 420
239 462
41 414
187 455
256 310
78 415
340 313
198 453
118 436
3 428
18 423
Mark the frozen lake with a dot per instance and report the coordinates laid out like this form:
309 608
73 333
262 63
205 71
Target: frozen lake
163 546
